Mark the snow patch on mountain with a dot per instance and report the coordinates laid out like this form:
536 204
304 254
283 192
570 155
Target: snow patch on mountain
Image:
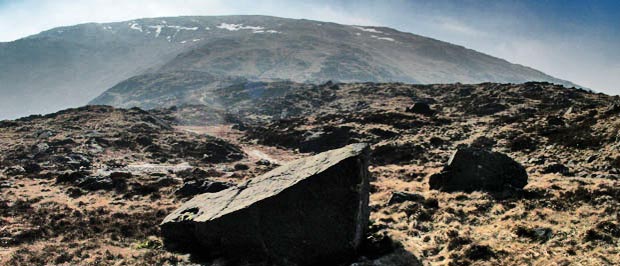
157 29
367 29
236 27
382 38
179 28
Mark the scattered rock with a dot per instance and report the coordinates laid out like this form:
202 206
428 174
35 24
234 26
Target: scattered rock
326 139
522 143
268 217
436 141
606 231
472 169
70 177
377 245
489 109
555 121
40 148
479 252
420 108
556 168
541 234
14 170
382 133
241 167
6 184
264 162
483 142
400 197
32 168
400 257
394 153
195 187
95 183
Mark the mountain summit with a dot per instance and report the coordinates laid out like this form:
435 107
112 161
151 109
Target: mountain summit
70 66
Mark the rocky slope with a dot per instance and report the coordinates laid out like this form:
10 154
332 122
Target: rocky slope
90 185
82 61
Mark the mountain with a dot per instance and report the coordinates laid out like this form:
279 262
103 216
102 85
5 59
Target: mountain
69 66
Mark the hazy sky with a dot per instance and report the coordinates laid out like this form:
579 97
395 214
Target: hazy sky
573 40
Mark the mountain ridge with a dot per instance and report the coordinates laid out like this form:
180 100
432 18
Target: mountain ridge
84 60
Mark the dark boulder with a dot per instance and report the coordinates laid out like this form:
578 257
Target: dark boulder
472 169
311 211
420 108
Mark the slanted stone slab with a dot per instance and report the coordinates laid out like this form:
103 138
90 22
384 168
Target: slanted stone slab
310 211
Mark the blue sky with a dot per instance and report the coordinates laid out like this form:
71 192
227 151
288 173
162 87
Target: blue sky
573 40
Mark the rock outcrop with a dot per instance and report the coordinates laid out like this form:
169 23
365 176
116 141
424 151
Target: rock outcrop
473 169
310 211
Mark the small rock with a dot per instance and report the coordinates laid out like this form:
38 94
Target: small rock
14 170
489 109
436 141
556 168
479 252
44 134
522 143
40 148
74 192
541 234
241 167
95 183
400 197
377 245
70 177
263 162
6 184
483 142
32 168
326 139
420 108
555 121
195 187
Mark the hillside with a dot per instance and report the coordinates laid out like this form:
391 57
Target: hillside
91 185
69 66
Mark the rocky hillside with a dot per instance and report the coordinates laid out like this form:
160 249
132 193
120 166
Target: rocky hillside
91 185
68 66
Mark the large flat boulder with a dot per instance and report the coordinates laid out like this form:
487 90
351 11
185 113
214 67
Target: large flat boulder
310 211
472 169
